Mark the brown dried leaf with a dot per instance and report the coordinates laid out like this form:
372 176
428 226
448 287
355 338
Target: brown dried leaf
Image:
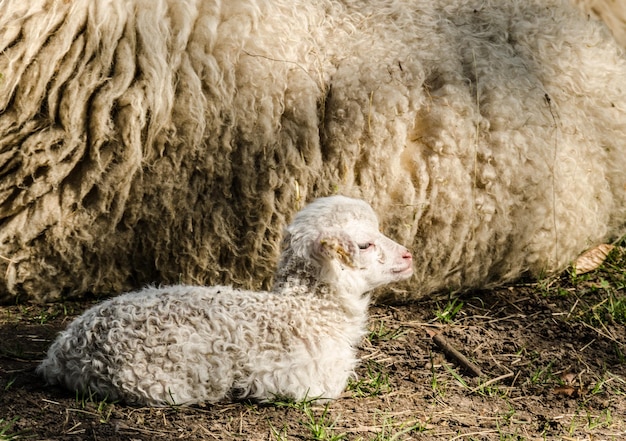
592 259
568 391
568 378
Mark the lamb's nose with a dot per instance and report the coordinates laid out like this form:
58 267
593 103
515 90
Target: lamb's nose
407 255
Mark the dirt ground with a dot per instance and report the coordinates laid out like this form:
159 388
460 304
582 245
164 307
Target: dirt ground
548 372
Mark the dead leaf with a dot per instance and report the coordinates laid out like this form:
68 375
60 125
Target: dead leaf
568 391
568 378
592 259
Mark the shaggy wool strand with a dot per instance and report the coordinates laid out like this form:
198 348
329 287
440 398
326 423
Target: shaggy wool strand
172 140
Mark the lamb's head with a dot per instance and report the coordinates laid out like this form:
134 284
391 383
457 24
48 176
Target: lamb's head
336 241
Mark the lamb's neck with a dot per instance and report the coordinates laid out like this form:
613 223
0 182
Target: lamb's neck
302 278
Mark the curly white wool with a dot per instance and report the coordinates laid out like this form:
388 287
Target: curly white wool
191 344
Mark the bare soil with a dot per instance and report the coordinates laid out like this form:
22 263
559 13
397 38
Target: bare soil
548 372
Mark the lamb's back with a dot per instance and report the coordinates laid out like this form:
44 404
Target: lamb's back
191 344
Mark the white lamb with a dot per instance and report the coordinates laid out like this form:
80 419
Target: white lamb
192 344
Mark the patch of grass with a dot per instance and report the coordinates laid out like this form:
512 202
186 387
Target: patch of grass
543 375
10 383
456 376
6 429
599 296
51 312
609 384
604 419
39 314
376 383
320 425
507 426
392 431
13 350
45 316
492 391
278 435
590 421
438 387
507 416
382 333
612 309
171 402
447 313
102 408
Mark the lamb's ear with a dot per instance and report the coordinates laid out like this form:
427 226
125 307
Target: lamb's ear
338 245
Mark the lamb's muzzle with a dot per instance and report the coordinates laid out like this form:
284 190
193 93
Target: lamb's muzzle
406 268
190 344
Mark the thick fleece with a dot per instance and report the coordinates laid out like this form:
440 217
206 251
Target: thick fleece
158 141
611 12
192 344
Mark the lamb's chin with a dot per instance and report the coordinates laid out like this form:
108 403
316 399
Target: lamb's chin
403 272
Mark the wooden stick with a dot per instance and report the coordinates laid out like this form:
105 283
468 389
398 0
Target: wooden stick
454 354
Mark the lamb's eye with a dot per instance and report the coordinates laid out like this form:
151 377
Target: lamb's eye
366 245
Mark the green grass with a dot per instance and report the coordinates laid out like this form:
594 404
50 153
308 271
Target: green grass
449 311
91 402
13 350
543 375
10 383
381 332
376 382
38 314
437 384
600 294
392 431
318 421
587 420
50 312
610 310
6 429
278 435
320 426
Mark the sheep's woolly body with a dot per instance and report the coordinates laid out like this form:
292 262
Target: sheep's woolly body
192 344
612 12
184 345
146 141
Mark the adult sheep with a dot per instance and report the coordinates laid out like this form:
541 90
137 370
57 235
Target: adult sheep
612 12
191 344
171 141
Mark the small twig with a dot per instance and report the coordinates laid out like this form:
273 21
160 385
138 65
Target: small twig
453 353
